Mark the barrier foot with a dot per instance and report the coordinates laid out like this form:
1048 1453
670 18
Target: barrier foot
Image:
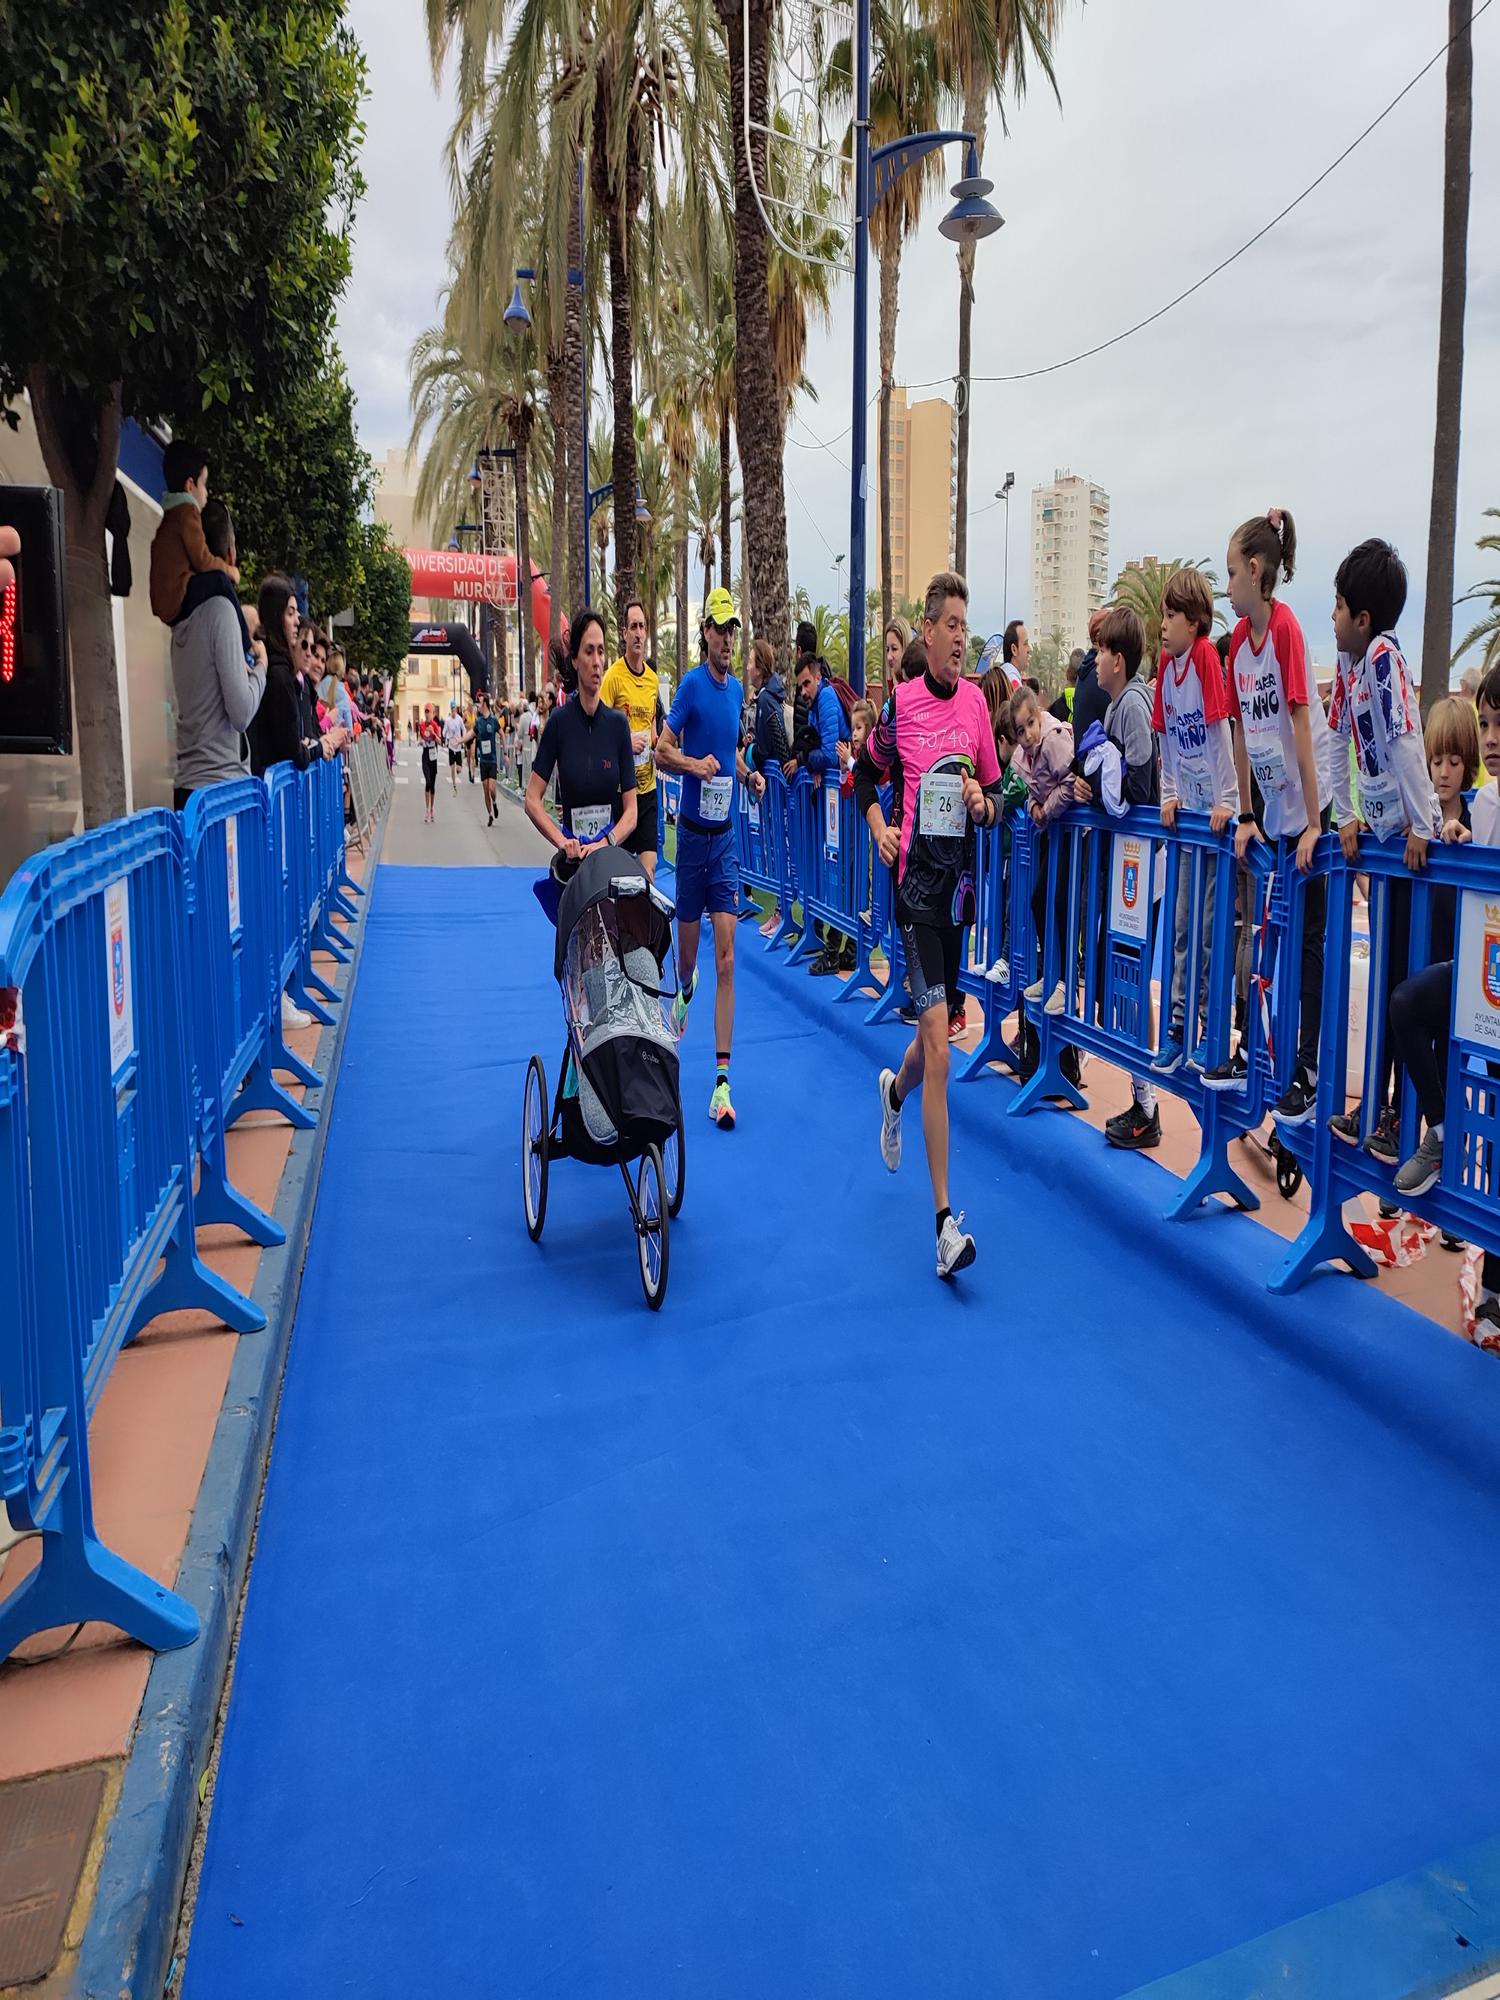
807 946
347 881
782 932
1048 1083
1324 1240
992 1047
187 1284
324 939
261 1091
340 906
1210 1176
314 981
860 985
217 1201
888 1006
79 1580
306 1002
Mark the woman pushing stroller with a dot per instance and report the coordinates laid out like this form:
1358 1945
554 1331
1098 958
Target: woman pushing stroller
588 747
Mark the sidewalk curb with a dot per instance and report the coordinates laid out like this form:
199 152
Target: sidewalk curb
128 1938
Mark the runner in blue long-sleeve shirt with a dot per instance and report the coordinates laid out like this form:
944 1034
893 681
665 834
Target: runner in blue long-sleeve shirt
825 718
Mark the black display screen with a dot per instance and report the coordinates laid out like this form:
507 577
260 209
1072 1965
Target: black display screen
36 714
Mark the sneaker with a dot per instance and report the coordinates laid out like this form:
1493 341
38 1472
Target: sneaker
1381 1144
1388 1210
1034 991
1132 1131
890 1123
1345 1125
908 1014
999 972
1198 1060
1232 1074
293 1016
848 958
955 1250
822 965
680 1004
1487 1324
1420 1172
770 927
1451 1242
958 1021
1298 1101
1169 1056
720 1110
1056 1000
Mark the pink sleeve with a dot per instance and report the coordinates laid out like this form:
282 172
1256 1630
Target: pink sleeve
1291 653
988 761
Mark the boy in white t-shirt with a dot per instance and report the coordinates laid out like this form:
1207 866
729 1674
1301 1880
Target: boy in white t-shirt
1375 709
1191 718
1280 722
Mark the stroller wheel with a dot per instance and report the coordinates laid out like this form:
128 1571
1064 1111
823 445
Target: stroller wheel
534 1149
1288 1172
652 1226
674 1167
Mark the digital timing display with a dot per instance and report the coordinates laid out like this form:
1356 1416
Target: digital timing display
35 704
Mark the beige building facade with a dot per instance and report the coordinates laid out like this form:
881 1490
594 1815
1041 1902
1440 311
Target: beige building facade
924 485
424 678
1069 558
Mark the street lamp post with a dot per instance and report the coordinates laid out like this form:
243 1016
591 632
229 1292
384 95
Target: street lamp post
875 174
838 581
1003 493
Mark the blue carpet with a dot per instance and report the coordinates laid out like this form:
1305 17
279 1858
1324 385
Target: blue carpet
832 1633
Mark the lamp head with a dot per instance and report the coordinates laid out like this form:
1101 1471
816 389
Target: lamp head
516 314
971 217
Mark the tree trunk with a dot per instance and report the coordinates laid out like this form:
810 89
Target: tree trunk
559 404
523 552
1442 533
747 608
890 287
622 197
681 568
726 509
976 104
575 333
764 494
91 631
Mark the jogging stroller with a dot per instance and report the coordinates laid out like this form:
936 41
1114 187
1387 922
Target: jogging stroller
617 1100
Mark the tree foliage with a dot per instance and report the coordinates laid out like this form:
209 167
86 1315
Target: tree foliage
295 480
382 602
1486 632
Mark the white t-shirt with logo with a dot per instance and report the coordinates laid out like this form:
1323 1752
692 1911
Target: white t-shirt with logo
1268 685
1191 716
453 733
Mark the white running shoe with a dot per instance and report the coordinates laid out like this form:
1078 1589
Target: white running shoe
955 1250
293 1016
1034 991
890 1123
999 972
1056 1000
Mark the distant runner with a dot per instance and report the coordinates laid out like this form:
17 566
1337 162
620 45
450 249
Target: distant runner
934 741
631 686
484 739
453 736
701 740
431 737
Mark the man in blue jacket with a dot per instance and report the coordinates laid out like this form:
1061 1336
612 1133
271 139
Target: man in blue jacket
816 751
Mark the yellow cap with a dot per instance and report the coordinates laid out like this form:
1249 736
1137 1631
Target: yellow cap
719 609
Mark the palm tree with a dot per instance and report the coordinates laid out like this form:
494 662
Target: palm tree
1487 632
832 628
1442 532
705 509
1143 587
755 386
906 95
606 514
981 49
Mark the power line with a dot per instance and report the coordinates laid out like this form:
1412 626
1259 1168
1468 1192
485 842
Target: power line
1030 374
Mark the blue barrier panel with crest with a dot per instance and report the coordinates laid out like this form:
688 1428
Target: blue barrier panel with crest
291 899
96 1169
1465 1202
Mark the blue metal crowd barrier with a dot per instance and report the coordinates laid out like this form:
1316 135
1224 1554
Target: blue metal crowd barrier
113 1123
1002 947
1466 1199
97 1210
1122 874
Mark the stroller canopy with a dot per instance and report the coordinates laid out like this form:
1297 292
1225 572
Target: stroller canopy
609 874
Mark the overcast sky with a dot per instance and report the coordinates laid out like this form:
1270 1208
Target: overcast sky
1302 376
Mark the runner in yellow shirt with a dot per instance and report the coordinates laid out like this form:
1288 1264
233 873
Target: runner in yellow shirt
630 685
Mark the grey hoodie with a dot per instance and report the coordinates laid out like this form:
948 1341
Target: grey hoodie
217 694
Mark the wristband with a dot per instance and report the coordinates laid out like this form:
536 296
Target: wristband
1247 819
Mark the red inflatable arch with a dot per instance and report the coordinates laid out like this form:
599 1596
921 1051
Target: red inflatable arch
477 579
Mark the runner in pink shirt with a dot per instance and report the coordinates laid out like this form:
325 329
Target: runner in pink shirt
934 742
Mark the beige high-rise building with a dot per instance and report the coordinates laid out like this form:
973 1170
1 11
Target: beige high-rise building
924 483
1069 558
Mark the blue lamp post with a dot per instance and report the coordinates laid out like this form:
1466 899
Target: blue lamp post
972 216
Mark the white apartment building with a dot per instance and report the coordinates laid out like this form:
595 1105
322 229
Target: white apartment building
1069 558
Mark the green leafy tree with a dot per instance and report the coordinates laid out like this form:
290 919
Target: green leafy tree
295 479
180 182
382 602
1143 586
1487 632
